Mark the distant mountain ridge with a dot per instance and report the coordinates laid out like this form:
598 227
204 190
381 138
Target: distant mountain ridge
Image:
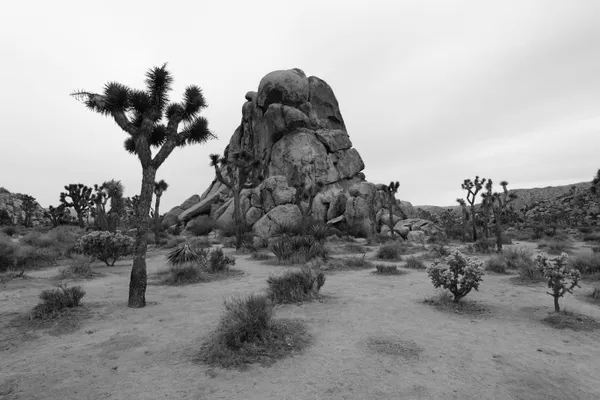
524 196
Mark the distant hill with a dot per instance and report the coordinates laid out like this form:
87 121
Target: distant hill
525 196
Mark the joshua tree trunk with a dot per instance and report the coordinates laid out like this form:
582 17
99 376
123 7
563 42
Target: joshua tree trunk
156 219
556 306
80 218
474 223
498 233
391 221
237 218
137 284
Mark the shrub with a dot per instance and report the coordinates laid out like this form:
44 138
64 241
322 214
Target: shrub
484 246
184 254
246 321
595 293
38 239
8 251
78 267
496 264
218 261
391 251
460 274
414 263
561 278
384 269
56 300
515 257
295 286
105 246
340 264
355 248
10 230
587 264
319 231
28 257
439 250
288 229
185 273
298 249
260 256
556 246
596 249
174 241
591 237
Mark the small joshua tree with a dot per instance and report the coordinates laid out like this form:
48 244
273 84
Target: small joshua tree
465 217
242 173
80 200
460 274
561 277
499 203
57 215
159 188
304 193
28 208
151 123
472 188
391 190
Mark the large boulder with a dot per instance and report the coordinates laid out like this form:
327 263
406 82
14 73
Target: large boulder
286 214
12 206
288 87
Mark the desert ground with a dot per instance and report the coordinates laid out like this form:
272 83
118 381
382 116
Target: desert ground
372 337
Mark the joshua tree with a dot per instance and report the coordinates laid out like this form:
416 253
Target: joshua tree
304 193
99 200
595 189
487 205
81 199
392 189
472 188
242 173
56 215
28 208
159 188
151 122
465 217
114 189
500 202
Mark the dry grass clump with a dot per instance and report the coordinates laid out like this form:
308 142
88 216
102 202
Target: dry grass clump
78 267
571 320
386 269
587 264
414 263
53 301
555 246
393 251
295 286
247 333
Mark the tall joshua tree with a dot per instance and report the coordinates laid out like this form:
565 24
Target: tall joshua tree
80 200
114 190
472 188
56 215
28 208
499 206
151 122
159 188
242 173
487 205
465 217
392 189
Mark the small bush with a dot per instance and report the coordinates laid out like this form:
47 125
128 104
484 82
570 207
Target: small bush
247 333
319 231
28 257
384 269
484 246
391 251
355 248
460 274
295 286
10 230
591 237
515 257
587 264
56 300
298 249
78 267
105 246
414 263
185 273
38 239
556 246
595 293
596 249
496 264
8 253
260 256
218 261
439 250
346 263
561 278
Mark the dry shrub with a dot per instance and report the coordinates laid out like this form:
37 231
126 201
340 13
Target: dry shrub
295 286
384 269
414 263
392 251
78 267
587 264
56 300
556 246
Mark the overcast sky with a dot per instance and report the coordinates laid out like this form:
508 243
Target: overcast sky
432 92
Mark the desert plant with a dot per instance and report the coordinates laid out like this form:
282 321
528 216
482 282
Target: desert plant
295 286
472 188
414 263
105 246
391 251
5 218
483 246
595 293
57 215
319 231
28 206
298 249
391 191
439 250
10 230
496 264
159 188
242 173
246 320
517 257
556 246
384 269
561 278
260 256
586 264
55 300
459 274
80 200
218 261
183 254
140 114
78 267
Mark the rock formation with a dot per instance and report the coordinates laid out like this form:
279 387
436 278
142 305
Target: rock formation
294 126
12 204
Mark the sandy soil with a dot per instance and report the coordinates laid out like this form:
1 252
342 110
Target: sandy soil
373 339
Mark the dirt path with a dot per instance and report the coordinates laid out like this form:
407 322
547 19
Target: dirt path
373 339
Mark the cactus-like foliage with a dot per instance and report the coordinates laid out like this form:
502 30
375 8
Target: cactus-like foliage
159 188
57 215
150 122
79 197
29 204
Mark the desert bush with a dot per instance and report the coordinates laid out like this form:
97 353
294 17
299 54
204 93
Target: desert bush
298 249
8 253
79 266
382 238
355 248
105 246
484 245
183 254
38 239
414 263
585 229
28 257
319 231
342 264
439 250
55 300
595 293
496 264
561 277
218 261
556 246
295 286
592 237
459 274
391 251
246 320
586 264
385 269
288 229
596 249
10 230
260 256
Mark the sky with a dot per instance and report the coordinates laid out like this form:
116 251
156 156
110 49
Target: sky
432 92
